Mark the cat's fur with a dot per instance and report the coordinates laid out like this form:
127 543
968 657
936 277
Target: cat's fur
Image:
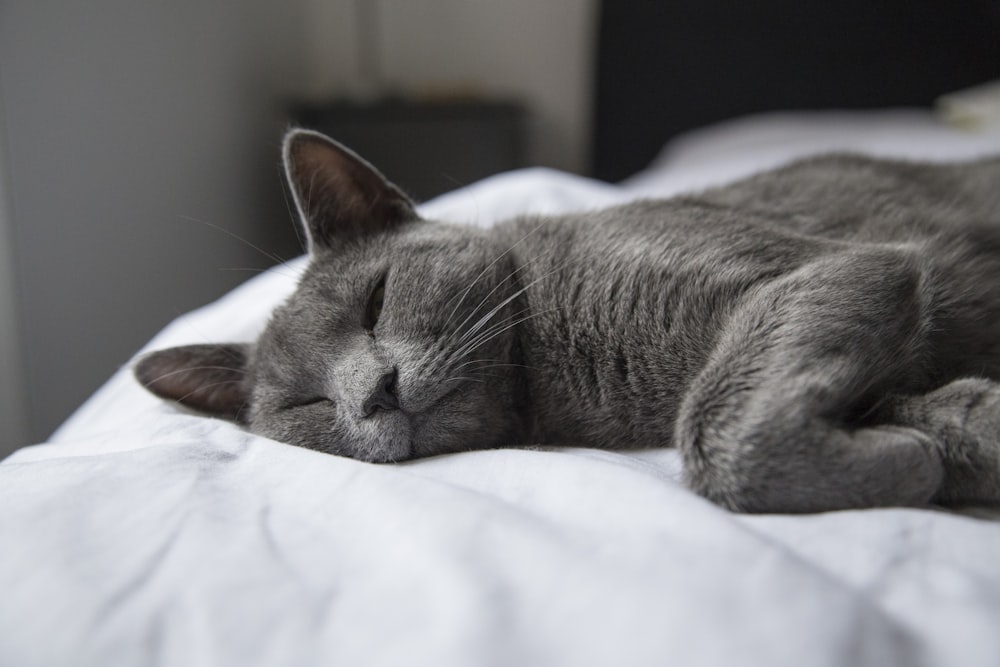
823 336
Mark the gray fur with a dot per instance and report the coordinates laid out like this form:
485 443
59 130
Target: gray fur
823 336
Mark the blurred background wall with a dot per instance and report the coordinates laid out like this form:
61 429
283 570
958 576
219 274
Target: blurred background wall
137 139
13 420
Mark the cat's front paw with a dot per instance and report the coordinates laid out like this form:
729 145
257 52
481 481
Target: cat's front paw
963 417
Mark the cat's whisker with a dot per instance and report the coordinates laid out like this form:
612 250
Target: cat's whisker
484 300
473 330
500 283
189 369
492 313
484 271
477 361
486 334
476 333
269 255
493 332
463 378
481 373
480 304
487 364
534 282
244 269
211 385
475 345
293 216
492 376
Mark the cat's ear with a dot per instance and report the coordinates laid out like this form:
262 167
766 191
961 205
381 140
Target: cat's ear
206 378
339 196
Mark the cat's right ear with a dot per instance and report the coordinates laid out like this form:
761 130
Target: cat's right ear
339 196
206 378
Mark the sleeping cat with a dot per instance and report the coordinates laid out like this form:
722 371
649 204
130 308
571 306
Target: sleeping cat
823 336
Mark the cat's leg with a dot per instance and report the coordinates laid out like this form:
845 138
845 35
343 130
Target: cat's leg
771 421
963 417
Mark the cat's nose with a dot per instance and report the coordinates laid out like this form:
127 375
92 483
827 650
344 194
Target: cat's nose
383 396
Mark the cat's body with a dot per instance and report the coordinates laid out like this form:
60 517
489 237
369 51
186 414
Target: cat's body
636 298
802 336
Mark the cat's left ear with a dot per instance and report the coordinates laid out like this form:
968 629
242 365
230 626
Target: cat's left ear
207 378
339 196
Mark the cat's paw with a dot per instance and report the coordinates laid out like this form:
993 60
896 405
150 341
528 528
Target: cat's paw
963 417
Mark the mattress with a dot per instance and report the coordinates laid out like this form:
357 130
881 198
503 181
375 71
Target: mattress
144 534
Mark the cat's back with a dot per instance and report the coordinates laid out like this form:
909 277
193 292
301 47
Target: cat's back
625 301
863 199
837 197
942 219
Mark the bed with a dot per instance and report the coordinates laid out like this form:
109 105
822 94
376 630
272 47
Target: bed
142 534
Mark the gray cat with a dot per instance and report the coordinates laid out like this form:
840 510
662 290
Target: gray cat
823 336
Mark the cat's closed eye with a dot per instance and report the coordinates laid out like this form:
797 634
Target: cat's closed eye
315 400
375 302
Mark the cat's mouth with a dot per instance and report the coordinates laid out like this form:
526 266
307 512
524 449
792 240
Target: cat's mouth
433 417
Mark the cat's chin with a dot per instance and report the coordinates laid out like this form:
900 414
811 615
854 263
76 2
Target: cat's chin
394 438
396 453
386 451
385 437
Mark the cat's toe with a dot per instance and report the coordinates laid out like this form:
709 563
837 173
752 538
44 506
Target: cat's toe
964 418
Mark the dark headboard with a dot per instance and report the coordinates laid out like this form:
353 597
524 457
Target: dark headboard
668 66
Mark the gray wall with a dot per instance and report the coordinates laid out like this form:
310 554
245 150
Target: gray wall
125 121
13 420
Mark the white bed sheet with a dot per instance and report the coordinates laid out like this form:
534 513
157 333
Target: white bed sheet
144 535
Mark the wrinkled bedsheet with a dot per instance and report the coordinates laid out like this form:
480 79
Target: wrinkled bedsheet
141 534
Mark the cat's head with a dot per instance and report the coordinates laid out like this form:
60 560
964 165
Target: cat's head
397 342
